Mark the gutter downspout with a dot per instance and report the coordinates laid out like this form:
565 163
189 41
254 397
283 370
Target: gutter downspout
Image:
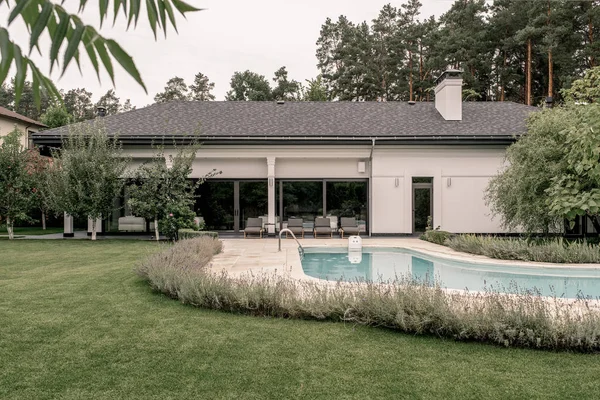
371 188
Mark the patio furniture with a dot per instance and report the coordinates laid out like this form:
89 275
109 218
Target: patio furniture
254 226
132 224
296 225
349 226
322 227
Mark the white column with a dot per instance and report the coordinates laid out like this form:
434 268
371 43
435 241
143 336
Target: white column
271 194
68 223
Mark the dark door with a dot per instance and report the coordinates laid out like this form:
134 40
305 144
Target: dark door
422 205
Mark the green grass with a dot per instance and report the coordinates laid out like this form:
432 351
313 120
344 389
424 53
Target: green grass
76 323
32 230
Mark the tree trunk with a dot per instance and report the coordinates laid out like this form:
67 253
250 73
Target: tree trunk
10 228
43 220
591 38
502 81
421 77
94 229
156 228
528 81
410 76
550 73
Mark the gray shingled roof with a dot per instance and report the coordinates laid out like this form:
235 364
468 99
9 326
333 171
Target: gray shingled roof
315 119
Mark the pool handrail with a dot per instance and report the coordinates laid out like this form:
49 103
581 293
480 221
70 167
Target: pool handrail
286 230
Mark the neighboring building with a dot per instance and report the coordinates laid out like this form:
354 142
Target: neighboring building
10 119
391 164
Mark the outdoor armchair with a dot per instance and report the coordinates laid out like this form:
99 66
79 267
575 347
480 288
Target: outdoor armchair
349 227
254 226
296 225
322 227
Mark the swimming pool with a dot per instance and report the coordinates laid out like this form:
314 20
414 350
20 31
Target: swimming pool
387 264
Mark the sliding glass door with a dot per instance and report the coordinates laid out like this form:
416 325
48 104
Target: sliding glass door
227 205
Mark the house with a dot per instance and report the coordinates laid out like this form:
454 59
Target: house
392 165
10 119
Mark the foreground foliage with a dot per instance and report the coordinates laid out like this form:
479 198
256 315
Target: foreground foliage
522 320
76 323
542 250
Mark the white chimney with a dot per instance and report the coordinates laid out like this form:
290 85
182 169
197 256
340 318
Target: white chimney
448 95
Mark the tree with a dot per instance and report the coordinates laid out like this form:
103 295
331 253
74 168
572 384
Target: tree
46 15
585 90
15 182
56 116
127 106
164 193
518 194
285 90
249 86
78 103
201 88
575 189
315 90
110 102
40 168
176 89
87 173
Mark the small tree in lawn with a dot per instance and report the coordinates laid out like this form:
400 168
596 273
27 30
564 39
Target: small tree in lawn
164 193
15 182
87 173
40 168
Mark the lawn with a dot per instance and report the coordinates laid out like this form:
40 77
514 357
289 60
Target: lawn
32 230
76 323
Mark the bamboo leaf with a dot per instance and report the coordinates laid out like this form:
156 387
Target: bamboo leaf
16 11
105 58
74 38
171 14
162 15
21 73
35 88
40 24
103 7
152 15
6 52
183 7
59 36
126 61
88 39
134 12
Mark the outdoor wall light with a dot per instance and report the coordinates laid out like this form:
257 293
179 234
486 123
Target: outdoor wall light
448 182
362 167
271 181
397 182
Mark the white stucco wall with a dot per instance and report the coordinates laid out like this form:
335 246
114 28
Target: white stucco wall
458 205
8 125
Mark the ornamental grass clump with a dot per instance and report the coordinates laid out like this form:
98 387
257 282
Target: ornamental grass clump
523 319
548 250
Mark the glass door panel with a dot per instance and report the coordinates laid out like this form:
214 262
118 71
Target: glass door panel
348 199
303 200
422 208
253 201
216 205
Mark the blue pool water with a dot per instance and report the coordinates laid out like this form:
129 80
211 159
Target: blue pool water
388 264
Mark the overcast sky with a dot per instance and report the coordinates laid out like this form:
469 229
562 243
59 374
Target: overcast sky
228 36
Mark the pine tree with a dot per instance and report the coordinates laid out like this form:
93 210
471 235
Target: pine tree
249 86
201 88
175 89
